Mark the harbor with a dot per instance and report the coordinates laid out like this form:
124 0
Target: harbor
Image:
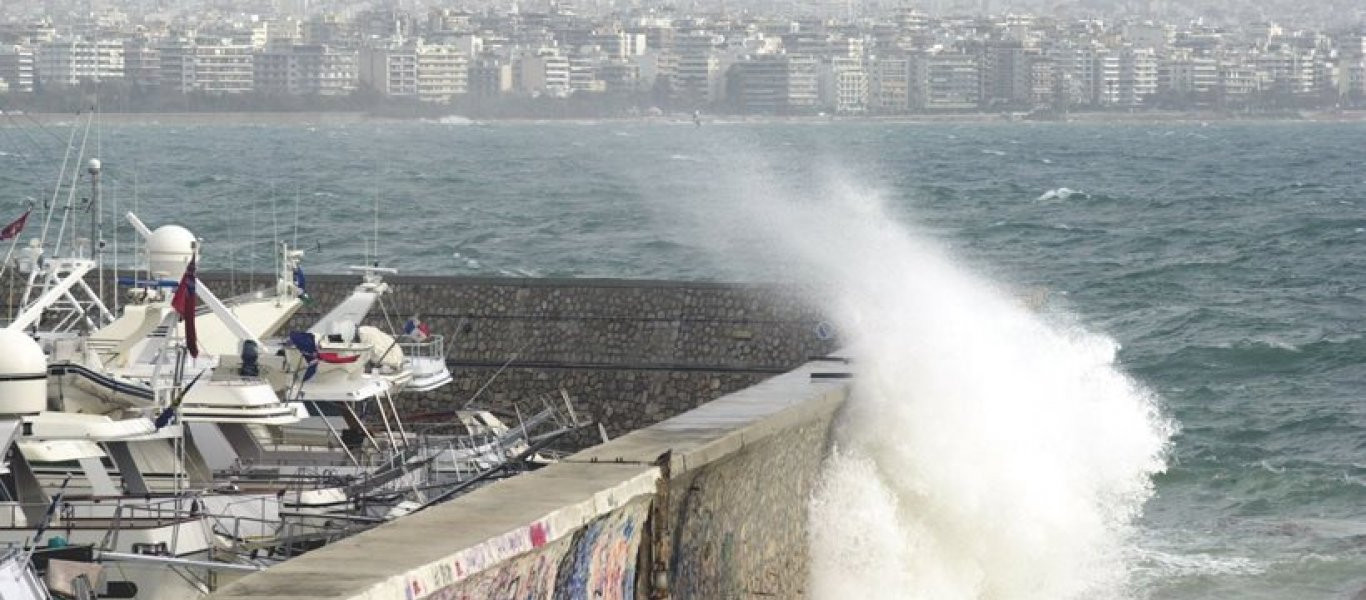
169 433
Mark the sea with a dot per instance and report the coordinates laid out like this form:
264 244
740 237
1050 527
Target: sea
1097 360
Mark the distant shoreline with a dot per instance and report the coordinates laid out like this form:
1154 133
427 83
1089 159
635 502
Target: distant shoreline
337 118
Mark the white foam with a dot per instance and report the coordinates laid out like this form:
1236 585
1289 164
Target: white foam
1061 193
1003 456
987 451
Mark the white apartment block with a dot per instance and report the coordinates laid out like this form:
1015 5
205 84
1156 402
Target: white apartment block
844 86
1286 70
207 64
1184 75
17 68
428 72
1137 77
442 72
69 61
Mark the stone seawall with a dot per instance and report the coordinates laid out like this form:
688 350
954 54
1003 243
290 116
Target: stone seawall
630 353
708 504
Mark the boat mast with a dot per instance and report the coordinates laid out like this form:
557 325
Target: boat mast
96 224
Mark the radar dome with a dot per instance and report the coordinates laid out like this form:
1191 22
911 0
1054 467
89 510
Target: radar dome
23 374
169 249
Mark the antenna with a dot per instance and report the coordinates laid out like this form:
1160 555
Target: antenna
96 220
114 191
275 230
376 228
296 215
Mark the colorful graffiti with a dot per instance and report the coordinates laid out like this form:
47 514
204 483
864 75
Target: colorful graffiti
597 561
602 563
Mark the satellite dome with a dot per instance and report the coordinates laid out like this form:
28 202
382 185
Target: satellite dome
23 374
169 249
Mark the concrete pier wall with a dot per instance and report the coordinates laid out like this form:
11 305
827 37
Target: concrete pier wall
711 502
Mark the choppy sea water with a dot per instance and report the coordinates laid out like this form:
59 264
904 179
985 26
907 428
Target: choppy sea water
1224 260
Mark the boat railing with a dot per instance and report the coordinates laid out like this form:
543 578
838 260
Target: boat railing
93 512
431 348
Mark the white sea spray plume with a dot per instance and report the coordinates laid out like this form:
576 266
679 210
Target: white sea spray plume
987 452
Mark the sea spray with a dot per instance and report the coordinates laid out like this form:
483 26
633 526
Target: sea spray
986 451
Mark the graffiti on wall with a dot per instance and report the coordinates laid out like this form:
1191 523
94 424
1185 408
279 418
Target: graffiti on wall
597 561
602 562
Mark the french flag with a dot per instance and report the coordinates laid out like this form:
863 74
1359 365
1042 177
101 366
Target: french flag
416 329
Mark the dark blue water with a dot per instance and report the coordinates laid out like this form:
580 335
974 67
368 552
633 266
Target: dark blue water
1227 259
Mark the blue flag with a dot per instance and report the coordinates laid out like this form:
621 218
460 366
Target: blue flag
300 282
308 348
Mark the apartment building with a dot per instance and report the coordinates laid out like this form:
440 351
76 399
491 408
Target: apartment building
305 69
72 60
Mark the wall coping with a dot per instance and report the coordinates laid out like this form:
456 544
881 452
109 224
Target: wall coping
473 532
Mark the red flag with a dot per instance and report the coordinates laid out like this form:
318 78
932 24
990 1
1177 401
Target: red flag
12 230
184 303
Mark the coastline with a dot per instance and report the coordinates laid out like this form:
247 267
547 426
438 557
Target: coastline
312 118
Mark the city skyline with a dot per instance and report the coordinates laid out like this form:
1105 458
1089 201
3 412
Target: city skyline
523 62
1325 14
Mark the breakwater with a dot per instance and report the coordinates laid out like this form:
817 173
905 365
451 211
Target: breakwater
711 503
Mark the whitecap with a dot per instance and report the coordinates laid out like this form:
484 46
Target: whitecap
994 152
1167 565
1062 193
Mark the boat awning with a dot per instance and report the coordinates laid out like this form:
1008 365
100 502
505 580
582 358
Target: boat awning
59 450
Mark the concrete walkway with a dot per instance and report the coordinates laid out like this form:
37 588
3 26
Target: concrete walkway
413 556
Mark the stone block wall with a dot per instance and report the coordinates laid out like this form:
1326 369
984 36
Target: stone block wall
630 353
740 524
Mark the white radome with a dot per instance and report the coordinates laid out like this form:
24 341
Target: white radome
23 374
169 249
